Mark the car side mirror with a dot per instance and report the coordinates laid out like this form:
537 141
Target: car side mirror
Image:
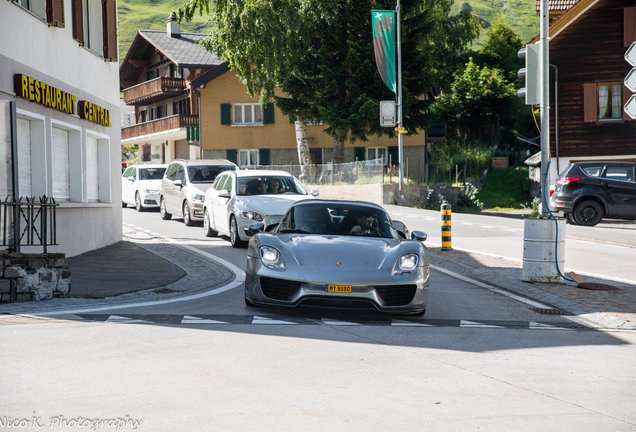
419 235
178 183
254 228
223 193
315 192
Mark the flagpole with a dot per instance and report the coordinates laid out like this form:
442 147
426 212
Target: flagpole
399 99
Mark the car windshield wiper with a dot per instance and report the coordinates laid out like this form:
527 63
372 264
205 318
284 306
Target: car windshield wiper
294 231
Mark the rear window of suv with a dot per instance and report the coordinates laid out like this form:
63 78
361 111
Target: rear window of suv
593 171
624 173
207 173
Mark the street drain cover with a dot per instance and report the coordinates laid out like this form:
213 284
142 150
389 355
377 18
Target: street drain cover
165 291
598 287
550 311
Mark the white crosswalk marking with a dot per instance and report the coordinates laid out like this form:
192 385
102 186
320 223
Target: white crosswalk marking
330 321
472 324
402 323
187 319
263 320
121 319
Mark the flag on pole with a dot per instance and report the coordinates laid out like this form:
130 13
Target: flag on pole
383 23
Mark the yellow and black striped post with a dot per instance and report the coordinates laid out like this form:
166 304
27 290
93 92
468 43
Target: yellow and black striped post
446 226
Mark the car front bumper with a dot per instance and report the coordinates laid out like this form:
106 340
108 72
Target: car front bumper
149 200
379 290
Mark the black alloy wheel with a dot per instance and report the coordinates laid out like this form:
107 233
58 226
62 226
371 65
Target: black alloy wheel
207 227
187 219
588 213
162 209
123 205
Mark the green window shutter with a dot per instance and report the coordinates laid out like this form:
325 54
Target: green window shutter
263 156
231 155
268 114
358 153
394 152
226 114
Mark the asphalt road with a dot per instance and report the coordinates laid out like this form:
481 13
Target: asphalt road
477 360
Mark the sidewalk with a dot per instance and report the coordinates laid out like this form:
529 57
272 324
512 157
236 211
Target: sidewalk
143 268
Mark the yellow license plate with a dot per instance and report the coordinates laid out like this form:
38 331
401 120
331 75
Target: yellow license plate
338 288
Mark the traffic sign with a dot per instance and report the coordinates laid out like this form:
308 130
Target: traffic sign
630 54
630 80
388 113
630 107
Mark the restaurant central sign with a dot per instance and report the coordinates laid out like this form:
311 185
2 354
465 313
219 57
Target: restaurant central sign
44 94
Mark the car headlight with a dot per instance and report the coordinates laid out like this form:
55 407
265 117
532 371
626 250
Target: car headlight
271 258
251 216
197 197
406 264
151 191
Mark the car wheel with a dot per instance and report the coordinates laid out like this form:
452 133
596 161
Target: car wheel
588 213
569 218
234 234
187 220
123 205
207 228
162 209
138 205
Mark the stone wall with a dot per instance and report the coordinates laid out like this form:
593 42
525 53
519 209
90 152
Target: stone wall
32 277
414 195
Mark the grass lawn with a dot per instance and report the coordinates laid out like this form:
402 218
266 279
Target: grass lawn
505 188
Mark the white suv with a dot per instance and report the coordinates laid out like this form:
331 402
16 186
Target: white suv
184 184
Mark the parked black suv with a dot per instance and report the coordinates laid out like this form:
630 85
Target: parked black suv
589 191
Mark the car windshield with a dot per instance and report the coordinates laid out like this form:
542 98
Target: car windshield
151 173
340 219
269 185
207 173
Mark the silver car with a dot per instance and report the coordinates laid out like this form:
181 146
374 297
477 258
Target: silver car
239 198
141 184
340 254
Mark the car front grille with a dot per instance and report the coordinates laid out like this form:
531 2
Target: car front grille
279 289
396 295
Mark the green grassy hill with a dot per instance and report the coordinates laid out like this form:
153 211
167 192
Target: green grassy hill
137 15
152 15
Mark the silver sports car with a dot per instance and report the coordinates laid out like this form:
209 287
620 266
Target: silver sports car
340 254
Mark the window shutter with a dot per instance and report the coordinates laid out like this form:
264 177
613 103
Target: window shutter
226 114
358 153
263 156
231 155
394 152
629 26
55 13
24 157
626 96
92 169
268 114
78 22
109 27
590 111
60 169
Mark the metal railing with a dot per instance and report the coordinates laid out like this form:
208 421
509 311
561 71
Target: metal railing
28 223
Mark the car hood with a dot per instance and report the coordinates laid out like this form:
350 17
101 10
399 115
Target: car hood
150 184
346 252
268 204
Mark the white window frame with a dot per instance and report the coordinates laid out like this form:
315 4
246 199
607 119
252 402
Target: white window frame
93 26
241 111
251 155
103 160
39 167
36 7
377 150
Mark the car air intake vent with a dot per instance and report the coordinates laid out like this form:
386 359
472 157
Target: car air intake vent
279 289
396 295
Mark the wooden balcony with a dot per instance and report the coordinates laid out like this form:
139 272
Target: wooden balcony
154 91
160 125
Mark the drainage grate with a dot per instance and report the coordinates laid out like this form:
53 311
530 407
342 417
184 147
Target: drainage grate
551 311
165 291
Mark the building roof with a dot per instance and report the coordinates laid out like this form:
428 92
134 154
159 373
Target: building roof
184 51
562 22
556 5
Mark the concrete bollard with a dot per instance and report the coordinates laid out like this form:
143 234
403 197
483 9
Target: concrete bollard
446 226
